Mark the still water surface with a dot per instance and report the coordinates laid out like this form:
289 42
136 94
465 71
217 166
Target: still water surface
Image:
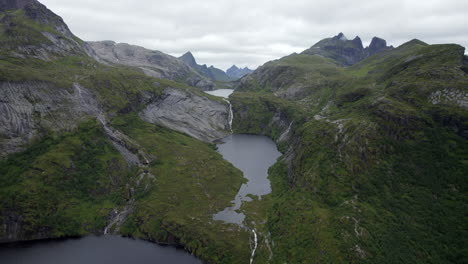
253 155
94 250
225 93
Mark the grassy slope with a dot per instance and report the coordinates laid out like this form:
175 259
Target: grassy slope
381 179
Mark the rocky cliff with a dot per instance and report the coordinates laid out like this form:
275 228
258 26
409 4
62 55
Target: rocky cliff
189 113
30 109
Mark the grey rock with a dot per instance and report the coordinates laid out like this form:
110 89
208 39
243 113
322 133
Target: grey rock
189 113
153 63
347 52
211 72
27 108
236 73
377 45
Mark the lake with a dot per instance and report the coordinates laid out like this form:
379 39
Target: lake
93 250
253 155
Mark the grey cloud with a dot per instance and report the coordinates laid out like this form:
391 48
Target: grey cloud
252 32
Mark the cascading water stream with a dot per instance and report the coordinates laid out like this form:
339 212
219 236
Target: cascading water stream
255 246
231 115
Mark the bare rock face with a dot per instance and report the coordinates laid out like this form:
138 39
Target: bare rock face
153 63
27 108
189 113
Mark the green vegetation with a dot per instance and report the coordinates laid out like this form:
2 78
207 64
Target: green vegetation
193 182
376 169
64 185
374 172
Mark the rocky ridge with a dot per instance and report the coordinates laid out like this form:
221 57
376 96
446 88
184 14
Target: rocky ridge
236 73
211 72
153 63
347 52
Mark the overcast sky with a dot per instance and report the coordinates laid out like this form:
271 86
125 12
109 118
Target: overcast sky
252 32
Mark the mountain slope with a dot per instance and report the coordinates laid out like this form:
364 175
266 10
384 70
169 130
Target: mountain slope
153 63
211 72
77 158
375 167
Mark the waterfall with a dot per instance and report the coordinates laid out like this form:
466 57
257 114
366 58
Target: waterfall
231 115
255 246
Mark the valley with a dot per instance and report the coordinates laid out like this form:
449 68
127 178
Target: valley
339 154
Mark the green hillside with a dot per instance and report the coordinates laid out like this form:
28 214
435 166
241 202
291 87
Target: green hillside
375 171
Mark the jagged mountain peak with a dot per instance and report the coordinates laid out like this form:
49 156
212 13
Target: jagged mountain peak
237 73
347 52
341 37
189 59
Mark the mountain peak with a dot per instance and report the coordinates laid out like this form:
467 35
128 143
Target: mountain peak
377 45
347 52
233 68
189 59
341 37
14 4
236 73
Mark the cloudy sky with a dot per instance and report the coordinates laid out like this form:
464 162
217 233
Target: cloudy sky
252 32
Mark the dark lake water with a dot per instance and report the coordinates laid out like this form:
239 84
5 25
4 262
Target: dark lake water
94 250
253 155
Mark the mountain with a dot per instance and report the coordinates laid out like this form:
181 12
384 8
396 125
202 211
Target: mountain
153 63
211 72
375 168
52 38
106 138
236 73
92 145
347 52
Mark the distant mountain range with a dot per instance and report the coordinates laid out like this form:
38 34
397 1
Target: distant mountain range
237 73
213 73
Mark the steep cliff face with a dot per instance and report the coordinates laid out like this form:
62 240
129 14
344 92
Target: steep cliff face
153 63
189 113
31 109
